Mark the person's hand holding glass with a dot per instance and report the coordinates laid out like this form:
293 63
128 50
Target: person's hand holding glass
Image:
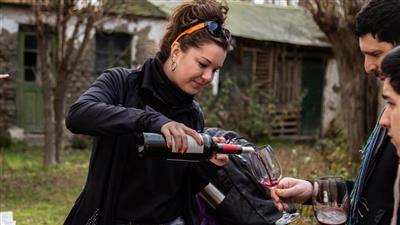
267 170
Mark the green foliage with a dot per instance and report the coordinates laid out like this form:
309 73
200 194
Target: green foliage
5 140
245 110
80 142
334 151
20 155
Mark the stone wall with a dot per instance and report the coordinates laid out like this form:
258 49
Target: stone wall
8 64
83 75
143 46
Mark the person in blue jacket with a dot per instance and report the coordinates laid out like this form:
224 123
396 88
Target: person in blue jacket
122 187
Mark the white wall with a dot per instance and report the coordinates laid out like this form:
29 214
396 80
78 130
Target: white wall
331 99
10 18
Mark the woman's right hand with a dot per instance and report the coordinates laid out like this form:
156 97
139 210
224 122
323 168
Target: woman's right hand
178 132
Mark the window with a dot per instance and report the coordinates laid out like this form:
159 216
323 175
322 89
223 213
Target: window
112 50
30 54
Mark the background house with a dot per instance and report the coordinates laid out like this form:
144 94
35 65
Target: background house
281 47
287 53
123 40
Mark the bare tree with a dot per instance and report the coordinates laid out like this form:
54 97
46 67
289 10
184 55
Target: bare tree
81 17
359 92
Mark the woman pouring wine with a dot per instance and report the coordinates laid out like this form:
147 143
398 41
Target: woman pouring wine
122 187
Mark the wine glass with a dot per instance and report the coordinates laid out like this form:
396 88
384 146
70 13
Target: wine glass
330 200
266 169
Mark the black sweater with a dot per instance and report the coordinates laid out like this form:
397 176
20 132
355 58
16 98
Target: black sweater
120 184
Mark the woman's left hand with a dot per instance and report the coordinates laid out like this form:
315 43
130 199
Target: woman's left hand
219 159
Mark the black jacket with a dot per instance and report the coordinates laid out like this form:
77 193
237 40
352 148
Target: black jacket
246 202
120 104
377 196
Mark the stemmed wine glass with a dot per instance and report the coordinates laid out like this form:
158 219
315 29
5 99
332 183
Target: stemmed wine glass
267 170
330 200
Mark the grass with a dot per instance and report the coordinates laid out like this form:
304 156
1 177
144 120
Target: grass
45 196
37 195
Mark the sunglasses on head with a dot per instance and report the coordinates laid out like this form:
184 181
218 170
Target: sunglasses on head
213 28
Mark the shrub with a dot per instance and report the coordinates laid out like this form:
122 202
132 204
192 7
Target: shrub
334 151
5 140
241 109
80 142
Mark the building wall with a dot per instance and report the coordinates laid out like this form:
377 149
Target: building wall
331 119
8 62
146 34
83 75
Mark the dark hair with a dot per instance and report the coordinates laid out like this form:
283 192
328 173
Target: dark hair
381 18
391 68
187 15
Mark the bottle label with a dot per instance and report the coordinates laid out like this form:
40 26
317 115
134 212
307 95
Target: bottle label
193 147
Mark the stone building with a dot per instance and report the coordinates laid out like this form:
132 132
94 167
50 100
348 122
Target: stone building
122 40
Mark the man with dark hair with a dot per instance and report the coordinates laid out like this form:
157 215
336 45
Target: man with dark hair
378 30
391 69
390 119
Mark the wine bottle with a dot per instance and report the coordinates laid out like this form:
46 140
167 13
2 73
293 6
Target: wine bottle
155 146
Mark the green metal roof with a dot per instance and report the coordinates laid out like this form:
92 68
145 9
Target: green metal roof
138 8
274 23
267 22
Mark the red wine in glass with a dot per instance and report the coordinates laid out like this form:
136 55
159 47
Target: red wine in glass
266 169
331 216
268 182
330 201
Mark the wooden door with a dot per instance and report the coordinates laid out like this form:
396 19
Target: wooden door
313 84
29 90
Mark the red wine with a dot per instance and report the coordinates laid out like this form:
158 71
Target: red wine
269 183
331 216
155 146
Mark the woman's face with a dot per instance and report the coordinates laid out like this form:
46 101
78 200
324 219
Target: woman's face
196 67
391 117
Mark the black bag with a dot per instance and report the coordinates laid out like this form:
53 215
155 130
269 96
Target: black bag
246 201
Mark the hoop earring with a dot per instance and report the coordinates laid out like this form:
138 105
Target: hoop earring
173 66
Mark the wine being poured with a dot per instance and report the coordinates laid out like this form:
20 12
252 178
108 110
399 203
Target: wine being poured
268 171
268 183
